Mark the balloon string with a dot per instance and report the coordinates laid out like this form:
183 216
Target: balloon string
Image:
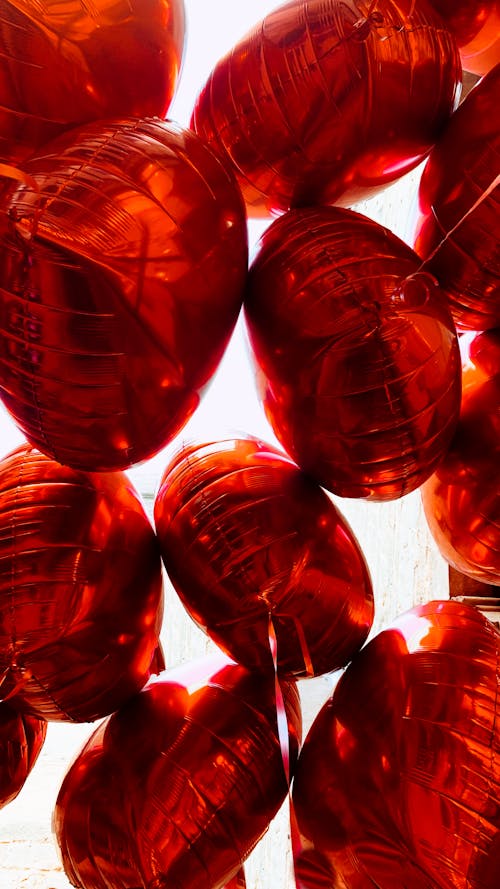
284 740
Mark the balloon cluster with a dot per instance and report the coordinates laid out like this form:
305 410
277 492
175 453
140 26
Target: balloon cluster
123 269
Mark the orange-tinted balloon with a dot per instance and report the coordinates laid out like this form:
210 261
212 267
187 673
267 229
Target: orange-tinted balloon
357 357
177 787
80 589
122 264
459 228
21 739
327 102
257 551
476 26
462 498
66 62
398 784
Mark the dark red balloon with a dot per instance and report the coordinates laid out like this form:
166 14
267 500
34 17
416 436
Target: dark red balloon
476 26
80 589
122 264
66 62
257 551
398 784
21 739
176 788
459 228
327 102
462 498
357 356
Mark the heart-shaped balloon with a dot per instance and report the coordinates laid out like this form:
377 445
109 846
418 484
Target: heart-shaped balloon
21 739
122 265
476 25
80 589
327 102
257 551
398 782
63 64
176 788
357 357
458 231
462 498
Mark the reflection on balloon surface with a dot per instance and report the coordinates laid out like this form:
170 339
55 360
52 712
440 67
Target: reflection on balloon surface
66 62
176 787
248 540
122 265
80 589
462 498
357 357
398 781
327 102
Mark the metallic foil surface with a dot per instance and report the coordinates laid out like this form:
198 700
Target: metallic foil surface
176 788
81 595
357 358
247 538
327 101
398 782
123 258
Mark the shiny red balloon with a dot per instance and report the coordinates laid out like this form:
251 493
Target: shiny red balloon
327 102
459 228
80 589
21 740
358 360
66 62
176 788
476 26
257 551
462 498
398 783
122 264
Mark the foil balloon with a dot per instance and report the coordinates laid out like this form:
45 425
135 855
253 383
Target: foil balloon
357 357
261 557
462 498
123 260
398 782
458 230
476 26
327 102
21 740
80 589
176 787
66 62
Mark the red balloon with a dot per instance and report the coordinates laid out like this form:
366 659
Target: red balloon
66 62
462 498
476 26
327 102
358 360
21 739
122 265
397 784
80 589
256 550
176 788
459 227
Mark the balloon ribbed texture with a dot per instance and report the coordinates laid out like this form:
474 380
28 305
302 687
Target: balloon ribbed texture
357 359
326 101
177 787
398 782
123 261
256 549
